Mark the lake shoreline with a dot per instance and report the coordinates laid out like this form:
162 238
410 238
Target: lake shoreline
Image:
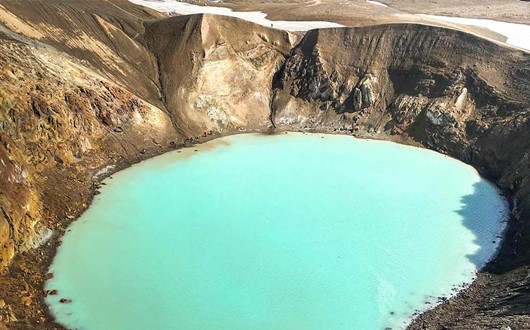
49 250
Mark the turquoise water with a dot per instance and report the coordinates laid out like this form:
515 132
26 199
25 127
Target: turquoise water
276 232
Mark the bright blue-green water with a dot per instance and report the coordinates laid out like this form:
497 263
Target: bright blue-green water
276 232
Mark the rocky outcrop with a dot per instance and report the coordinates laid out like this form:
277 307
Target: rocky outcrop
215 72
91 86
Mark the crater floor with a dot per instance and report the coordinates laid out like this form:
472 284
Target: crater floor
284 231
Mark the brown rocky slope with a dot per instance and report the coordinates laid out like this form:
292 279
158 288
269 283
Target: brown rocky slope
91 84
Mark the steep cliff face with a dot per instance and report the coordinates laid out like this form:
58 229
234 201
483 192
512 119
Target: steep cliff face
89 85
216 72
360 72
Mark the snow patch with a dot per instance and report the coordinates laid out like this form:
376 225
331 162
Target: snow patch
182 8
517 34
102 172
376 3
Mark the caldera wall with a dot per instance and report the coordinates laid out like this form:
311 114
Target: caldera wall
146 84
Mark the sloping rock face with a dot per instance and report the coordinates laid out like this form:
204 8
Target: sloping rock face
108 35
216 74
93 86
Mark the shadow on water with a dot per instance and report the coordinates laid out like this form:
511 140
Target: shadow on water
485 215
487 219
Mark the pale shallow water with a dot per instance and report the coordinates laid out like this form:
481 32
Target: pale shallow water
276 232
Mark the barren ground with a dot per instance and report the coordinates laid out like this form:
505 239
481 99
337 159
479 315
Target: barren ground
353 12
